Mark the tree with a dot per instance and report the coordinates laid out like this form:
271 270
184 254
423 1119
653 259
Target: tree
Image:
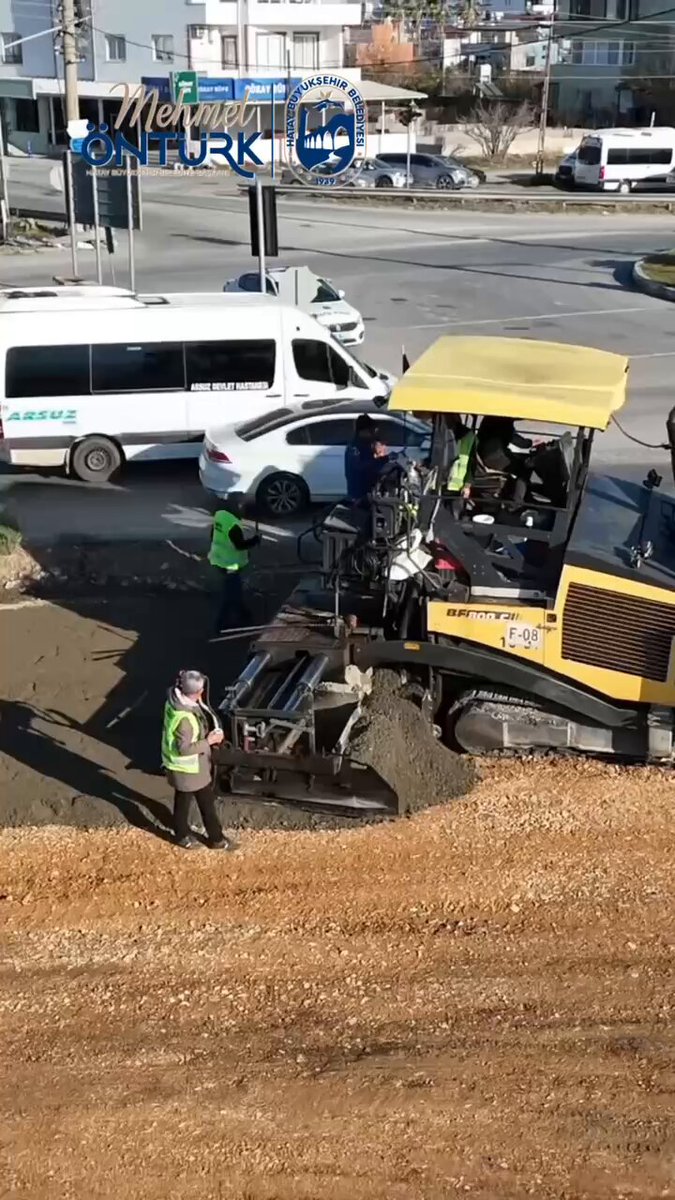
495 127
415 14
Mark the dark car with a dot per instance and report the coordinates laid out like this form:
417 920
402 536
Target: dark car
428 170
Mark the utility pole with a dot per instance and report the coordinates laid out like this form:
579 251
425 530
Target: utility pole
545 93
71 60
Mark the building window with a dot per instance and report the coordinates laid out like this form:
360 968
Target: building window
603 54
530 60
11 54
27 116
599 10
306 51
228 46
162 47
115 48
270 50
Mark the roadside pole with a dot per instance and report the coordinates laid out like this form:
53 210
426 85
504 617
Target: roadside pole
407 154
543 116
70 60
6 215
261 235
70 186
97 228
130 228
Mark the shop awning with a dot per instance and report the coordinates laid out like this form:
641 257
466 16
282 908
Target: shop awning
370 89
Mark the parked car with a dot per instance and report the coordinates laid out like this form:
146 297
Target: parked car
564 176
428 170
303 289
377 174
474 177
285 461
289 178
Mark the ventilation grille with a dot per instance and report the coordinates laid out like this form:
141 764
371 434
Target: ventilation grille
617 632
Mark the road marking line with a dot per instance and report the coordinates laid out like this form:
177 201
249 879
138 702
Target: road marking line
506 319
657 354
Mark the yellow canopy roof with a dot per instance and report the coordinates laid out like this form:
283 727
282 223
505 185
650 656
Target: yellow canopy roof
515 377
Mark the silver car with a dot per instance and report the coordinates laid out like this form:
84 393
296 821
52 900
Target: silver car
428 170
377 174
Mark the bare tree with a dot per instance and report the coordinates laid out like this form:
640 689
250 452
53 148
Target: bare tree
495 127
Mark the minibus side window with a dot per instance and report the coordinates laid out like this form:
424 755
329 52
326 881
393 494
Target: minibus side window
130 367
227 366
47 371
319 362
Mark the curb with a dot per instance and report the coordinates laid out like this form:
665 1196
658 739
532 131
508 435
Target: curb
662 291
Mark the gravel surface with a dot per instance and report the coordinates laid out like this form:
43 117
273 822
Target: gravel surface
475 1001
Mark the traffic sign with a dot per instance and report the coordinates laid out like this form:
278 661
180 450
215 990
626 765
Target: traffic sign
185 87
113 200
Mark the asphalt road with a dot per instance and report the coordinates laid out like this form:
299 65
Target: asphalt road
414 276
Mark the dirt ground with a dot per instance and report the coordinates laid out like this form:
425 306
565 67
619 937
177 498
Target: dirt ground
477 1000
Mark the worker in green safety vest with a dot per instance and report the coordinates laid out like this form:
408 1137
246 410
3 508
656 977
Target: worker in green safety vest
459 473
229 557
189 732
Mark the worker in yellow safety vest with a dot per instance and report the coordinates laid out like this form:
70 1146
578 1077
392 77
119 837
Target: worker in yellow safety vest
229 557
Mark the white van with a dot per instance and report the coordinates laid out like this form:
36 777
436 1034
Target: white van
618 160
94 376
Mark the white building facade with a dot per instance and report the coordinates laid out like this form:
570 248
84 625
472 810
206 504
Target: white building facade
259 47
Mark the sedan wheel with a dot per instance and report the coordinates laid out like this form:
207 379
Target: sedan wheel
446 182
283 495
384 182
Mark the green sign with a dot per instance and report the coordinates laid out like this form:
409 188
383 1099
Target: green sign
185 87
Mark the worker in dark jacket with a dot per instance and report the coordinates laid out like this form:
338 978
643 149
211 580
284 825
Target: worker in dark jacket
190 729
365 458
500 448
229 556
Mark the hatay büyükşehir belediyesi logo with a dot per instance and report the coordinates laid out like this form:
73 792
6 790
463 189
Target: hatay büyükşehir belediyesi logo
325 130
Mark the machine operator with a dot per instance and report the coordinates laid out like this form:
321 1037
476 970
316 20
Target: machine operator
365 458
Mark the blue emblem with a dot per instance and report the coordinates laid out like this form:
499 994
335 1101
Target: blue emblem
325 130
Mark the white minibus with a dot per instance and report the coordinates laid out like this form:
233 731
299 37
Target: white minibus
93 377
619 160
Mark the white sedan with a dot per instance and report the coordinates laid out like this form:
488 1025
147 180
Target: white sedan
302 288
285 462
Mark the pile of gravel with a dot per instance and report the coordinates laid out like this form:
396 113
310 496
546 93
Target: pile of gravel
397 741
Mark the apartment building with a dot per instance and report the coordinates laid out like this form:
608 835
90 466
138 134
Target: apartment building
259 47
614 52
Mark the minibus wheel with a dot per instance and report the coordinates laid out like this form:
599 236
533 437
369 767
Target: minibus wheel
95 460
625 188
